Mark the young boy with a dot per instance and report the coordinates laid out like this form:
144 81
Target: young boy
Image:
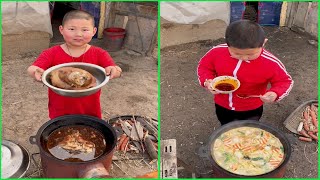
77 30
244 58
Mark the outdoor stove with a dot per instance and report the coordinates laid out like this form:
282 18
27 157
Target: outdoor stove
57 168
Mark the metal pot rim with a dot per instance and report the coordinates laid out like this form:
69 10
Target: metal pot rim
17 151
253 123
90 118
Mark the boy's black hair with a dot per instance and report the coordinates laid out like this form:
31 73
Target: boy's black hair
244 34
77 14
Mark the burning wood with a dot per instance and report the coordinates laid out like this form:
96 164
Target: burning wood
138 135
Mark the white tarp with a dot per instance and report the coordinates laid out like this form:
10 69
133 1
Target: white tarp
20 17
195 12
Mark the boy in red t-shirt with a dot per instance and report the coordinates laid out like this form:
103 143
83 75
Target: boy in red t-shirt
244 58
77 30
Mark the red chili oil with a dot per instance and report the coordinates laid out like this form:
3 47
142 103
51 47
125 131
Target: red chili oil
224 87
86 133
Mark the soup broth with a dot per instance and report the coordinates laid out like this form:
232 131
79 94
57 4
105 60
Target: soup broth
76 143
248 151
225 87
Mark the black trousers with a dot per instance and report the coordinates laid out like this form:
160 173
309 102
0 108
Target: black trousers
226 115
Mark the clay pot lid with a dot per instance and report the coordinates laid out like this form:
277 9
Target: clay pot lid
15 160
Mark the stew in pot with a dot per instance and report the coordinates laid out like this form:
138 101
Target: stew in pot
248 151
76 143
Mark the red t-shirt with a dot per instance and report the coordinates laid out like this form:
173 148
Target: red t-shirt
61 105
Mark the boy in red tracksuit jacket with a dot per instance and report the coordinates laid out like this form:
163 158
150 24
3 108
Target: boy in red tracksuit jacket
244 58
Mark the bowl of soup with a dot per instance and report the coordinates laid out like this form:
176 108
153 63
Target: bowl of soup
225 84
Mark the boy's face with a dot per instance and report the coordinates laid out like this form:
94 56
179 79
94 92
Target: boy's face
77 32
245 54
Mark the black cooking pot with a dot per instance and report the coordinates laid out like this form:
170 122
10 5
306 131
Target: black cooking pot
54 167
206 151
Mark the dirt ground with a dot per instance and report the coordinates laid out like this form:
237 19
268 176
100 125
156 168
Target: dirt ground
187 110
25 102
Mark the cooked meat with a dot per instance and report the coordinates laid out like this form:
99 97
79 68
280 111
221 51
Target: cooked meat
74 143
72 78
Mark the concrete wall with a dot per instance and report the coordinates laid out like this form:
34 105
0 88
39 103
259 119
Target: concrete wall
140 21
175 34
311 22
24 43
303 16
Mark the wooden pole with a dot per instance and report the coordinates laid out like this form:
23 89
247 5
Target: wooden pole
283 14
102 19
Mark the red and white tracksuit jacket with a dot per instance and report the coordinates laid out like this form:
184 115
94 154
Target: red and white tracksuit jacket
254 76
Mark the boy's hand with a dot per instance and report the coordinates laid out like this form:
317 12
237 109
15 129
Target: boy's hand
113 71
269 97
208 86
35 72
38 74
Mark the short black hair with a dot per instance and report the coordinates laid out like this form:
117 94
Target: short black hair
77 14
244 34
